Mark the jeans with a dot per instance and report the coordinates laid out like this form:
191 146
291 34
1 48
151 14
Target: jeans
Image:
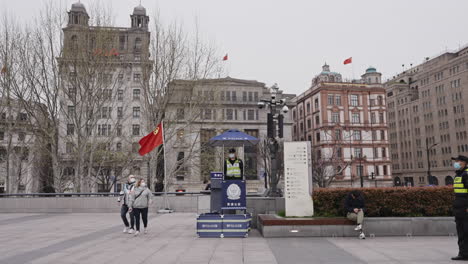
358 218
144 216
123 214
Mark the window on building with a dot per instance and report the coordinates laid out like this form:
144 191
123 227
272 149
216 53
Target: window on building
207 114
354 100
337 134
357 152
309 123
71 110
244 96
382 134
384 152
2 135
69 147
355 118
360 170
137 77
136 130
377 171
317 120
250 114
335 117
373 121
381 118
119 130
376 152
180 114
380 100
233 96
338 99
339 152
357 134
374 135
230 114
119 112
181 135
316 104
70 129
385 170
255 96
136 94
331 99
122 41
317 136
136 112
308 108
120 94
137 44
250 96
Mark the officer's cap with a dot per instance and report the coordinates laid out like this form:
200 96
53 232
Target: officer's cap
461 158
232 151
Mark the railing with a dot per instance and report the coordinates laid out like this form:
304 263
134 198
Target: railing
105 194
99 194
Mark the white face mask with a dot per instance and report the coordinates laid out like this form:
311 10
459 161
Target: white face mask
232 155
143 184
132 180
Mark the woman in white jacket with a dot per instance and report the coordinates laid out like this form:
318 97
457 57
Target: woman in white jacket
140 200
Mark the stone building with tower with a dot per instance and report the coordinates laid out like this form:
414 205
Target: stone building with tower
101 115
427 119
346 123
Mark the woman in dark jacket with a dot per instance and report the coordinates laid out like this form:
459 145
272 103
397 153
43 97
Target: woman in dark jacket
355 207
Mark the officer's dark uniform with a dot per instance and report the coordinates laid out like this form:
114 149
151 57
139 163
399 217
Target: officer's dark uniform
460 205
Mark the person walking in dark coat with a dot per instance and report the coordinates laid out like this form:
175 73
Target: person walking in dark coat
355 207
460 205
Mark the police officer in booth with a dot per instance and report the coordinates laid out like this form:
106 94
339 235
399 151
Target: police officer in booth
460 205
233 167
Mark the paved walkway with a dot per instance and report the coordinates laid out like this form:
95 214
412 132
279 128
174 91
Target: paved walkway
98 238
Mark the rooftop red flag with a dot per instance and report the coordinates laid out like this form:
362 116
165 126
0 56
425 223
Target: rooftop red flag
152 140
225 58
348 60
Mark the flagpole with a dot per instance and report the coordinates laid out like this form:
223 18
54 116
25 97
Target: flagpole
166 201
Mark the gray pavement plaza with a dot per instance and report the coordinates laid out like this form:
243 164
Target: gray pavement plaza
98 238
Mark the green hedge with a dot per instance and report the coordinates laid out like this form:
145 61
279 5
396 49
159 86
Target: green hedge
380 202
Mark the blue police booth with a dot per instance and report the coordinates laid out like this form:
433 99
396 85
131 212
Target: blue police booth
227 196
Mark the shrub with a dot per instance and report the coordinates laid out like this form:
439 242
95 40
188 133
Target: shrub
415 201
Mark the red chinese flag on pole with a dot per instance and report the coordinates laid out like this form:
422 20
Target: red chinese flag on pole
348 60
225 58
152 140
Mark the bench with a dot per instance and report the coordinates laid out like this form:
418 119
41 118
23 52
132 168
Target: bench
270 225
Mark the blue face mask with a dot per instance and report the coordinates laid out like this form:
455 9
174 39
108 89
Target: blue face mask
457 165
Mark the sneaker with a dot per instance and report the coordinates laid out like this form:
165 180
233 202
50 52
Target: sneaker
125 230
145 231
362 236
130 231
358 227
137 233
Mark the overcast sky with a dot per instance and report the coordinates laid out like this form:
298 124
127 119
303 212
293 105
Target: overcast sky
287 41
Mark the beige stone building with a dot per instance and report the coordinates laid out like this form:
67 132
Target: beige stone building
203 109
347 125
21 150
102 117
427 119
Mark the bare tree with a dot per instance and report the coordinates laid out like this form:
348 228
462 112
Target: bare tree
176 55
328 160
